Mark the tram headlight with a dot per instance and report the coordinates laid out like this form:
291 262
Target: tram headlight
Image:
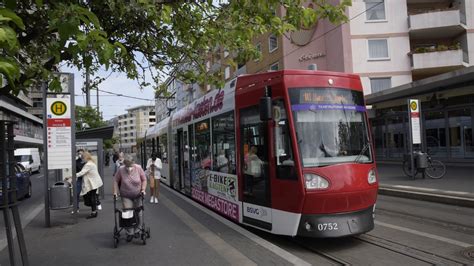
372 177
313 181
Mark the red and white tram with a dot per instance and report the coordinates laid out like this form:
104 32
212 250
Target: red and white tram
288 152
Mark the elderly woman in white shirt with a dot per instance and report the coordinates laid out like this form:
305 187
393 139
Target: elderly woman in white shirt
91 181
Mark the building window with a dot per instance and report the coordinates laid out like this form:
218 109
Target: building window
258 47
375 9
380 84
272 43
274 67
378 49
227 72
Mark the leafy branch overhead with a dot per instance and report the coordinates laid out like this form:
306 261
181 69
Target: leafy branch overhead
141 38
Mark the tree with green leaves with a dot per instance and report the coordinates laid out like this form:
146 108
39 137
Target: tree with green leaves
141 38
88 118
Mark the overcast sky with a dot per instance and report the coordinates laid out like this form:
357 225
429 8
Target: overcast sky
111 105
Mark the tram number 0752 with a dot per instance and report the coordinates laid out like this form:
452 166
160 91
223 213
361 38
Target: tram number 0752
327 227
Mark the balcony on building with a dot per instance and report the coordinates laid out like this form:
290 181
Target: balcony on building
430 63
435 21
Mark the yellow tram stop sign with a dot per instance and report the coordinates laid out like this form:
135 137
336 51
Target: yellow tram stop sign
413 105
58 108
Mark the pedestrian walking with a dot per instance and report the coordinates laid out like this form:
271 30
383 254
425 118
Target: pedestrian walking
153 170
79 165
90 183
118 162
130 182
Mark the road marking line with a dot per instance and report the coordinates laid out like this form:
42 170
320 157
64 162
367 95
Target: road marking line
417 188
415 232
228 252
457 192
25 221
260 241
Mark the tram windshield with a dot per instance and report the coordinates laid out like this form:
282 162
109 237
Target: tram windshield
330 126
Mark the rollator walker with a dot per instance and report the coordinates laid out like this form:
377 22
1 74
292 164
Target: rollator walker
127 218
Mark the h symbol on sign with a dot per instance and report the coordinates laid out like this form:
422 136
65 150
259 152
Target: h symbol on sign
58 108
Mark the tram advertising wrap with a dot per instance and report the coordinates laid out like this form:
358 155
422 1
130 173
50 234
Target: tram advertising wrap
221 193
306 169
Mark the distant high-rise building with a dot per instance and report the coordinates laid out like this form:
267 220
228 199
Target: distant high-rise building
132 126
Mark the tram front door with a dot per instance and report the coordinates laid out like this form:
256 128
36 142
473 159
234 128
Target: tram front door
255 169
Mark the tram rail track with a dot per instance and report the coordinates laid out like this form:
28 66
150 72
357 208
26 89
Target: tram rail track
415 253
458 227
325 255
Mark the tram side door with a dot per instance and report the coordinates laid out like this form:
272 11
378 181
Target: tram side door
255 169
183 159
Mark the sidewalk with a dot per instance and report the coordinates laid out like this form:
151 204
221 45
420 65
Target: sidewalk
182 233
456 187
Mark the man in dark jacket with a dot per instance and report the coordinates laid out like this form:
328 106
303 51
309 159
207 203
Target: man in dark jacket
79 165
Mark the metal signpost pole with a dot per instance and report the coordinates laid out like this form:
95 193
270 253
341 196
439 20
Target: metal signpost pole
415 128
410 142
59 136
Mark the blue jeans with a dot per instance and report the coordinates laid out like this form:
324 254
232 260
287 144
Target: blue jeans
78 190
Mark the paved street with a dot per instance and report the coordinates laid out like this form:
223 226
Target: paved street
184 233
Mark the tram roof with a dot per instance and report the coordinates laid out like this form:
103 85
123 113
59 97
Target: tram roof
154 130
250 80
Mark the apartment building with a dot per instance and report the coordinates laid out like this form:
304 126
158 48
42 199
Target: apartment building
422 50
133 125
401 49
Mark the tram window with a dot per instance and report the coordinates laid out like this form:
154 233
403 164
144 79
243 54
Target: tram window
223 143
203 144
164 148
285 160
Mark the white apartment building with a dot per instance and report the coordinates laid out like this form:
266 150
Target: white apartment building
395 42
132 126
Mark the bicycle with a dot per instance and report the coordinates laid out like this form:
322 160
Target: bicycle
435 170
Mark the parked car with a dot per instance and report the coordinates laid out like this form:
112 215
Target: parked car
29 158
23 183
